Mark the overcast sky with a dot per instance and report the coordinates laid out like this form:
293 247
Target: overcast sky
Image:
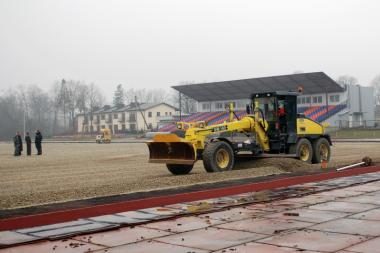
161 43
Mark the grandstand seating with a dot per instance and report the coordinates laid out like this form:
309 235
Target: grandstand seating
317 113
321 113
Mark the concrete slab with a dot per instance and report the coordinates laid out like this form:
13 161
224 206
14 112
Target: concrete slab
373 214
369 246
364 188
307 215
265 226
211 238
183 224
340 206
151 246
122 236
180 206
314 240
367 199
339 193
234 214
116 219
253 247
73 230
62 246
55 226
11 237
161 211
350 226
140 215
276 206
311 199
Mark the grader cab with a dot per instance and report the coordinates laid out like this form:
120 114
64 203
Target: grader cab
271 128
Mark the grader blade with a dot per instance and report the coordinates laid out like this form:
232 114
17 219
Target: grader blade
170 149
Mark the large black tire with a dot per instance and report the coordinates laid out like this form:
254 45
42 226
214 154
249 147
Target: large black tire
218 156
303 150
321 150
179 169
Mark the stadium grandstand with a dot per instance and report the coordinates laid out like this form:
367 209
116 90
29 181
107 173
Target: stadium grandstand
322 99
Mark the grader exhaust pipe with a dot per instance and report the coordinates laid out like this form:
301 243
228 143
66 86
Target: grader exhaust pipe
170 149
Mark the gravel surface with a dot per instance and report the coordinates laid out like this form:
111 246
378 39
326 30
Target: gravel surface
69 171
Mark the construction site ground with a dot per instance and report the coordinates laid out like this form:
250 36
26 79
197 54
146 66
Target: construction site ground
70 171
339 215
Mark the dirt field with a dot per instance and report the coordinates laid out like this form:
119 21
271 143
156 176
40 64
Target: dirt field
76 171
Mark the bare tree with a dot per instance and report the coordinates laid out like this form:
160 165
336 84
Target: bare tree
376 85
39 106
347 80
55 100
94 100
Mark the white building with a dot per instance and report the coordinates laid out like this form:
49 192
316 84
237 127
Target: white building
131 118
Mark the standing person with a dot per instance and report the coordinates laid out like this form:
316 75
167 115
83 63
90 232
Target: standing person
28 142
20 140
37 141
17 143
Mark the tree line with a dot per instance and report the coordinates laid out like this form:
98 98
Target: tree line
54 110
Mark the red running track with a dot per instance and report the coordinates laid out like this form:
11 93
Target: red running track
86 212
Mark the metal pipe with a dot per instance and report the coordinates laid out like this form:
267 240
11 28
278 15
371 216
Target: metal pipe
350 166
367 161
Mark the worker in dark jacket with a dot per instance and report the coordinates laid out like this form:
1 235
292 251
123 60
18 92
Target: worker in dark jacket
17 140
28 142
37 141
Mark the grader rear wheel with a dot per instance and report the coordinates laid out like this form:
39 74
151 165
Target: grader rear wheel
321 148
218 157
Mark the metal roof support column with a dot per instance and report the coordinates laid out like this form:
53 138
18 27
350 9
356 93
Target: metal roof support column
180 106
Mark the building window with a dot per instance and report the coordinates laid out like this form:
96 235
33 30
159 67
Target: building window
315 100
166 113
241 104
219 105
132 127
132 116
303 100
116 128
110 126
115 116
308 100
298 100
205 106
123 127
334 98
149 114
158 114
103 116
103 126
150 126
319 99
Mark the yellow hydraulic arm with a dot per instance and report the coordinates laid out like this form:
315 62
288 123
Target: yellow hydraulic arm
171 149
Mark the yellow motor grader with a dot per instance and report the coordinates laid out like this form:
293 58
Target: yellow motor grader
271 128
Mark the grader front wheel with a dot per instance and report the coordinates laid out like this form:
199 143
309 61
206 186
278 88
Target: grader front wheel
303 150
218 157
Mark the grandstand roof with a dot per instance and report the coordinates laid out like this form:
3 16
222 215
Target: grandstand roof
312 83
